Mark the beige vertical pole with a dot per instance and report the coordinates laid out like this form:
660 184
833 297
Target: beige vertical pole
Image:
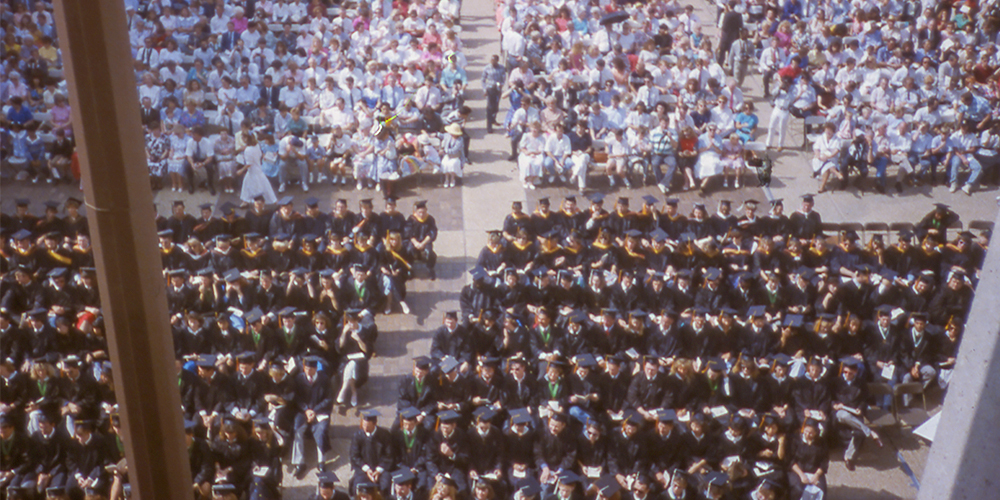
102 91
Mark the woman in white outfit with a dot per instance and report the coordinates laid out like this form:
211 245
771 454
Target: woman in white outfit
530 155
709 151
255 183
451 159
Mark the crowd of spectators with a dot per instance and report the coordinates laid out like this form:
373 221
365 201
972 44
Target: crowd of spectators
354 93
647 90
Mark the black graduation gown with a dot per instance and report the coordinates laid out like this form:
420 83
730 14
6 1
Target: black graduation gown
555 451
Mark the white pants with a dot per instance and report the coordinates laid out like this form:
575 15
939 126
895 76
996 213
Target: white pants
903 162
778 124
580 164
529 165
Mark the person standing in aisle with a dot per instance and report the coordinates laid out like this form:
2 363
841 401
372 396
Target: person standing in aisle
494 77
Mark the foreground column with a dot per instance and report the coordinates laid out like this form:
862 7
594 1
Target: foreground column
102 91
962 464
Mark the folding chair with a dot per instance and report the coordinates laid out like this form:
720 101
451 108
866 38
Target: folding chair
878 417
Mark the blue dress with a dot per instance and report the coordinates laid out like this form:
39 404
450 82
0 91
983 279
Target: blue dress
270 163
515 104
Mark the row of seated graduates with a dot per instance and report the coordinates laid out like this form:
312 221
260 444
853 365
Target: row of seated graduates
723 239
305 266
805 274
728 401
261 220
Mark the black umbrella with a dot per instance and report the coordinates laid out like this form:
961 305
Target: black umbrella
614 18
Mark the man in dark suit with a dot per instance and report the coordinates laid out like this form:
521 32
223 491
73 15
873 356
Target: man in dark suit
50 454
371 453
325 489
409 442
269 93
918 353
448 452
452 339
314 401
415 391
202 461
149 114
732 24
88 456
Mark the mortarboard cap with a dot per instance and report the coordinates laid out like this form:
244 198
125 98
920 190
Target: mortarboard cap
409 413
569 477
884 309
206 361
21 235
632 417
716 479
757 312
448 364
716 364
402 476
448 416
596 197
808 197
370 414
713 273
528 488
484 413
633 233
666 415
781 359
422 362
21 202
793 320
649 199
287 200
327 479
607 485
585 360
367 487
851 361
246 356
253 315
520 416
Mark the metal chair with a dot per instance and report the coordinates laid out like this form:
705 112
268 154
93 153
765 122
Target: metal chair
911 388
811 121
876 227
981 225
901 226
878 417
957 225
857 227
